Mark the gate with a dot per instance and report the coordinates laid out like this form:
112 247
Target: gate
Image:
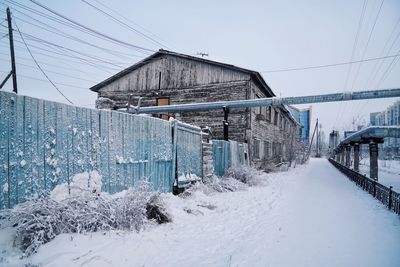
187 164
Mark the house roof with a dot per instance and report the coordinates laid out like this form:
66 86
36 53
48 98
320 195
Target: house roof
254 74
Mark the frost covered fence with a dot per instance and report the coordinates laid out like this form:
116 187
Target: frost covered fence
384 194
228 154
43 144
188 154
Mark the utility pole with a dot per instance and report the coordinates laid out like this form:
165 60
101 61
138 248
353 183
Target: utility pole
10 37
317 143
226 124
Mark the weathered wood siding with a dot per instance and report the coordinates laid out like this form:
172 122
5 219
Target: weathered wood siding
188 81
201 93
265 131
175 72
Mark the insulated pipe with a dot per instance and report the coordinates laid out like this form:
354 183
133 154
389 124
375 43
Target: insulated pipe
274 101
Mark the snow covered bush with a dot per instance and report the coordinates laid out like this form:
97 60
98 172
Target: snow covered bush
131 212
84 209
245 174
234 179
224 184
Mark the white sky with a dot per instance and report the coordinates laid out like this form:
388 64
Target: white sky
259 35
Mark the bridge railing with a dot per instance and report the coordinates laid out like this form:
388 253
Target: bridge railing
384 194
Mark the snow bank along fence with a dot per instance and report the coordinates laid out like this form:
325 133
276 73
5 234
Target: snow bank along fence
228 154
386 195
43 143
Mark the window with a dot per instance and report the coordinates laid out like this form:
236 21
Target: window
268 113
266 150
276 114
163 101
258 109
273 149
256 149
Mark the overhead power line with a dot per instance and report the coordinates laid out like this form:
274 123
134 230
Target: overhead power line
59 32
353 51
378 65
136 47
46 81
367 44
136 24
328 65
40 68
388 70
124 24
49 71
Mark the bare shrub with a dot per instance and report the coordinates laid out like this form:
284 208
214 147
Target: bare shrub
244 174
40 220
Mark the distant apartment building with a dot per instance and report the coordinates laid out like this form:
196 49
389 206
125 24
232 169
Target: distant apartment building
388 117
334 140
303 117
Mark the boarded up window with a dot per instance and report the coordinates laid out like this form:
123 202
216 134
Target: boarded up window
266 150
256 149
163 101
258 109
269 113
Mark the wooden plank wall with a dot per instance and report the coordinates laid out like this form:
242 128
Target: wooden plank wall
43 144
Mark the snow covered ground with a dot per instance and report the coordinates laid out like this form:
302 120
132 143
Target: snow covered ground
388 172
309 216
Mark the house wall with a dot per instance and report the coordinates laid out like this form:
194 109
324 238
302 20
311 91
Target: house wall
187 81
273 128
175 72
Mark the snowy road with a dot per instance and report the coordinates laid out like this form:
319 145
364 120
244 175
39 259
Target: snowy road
311 216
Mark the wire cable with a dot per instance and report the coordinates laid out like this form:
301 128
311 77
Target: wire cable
40 68
355 43
136 47
378 65
49 71
133 22
46 81
59 32
367 44
329 65
123 24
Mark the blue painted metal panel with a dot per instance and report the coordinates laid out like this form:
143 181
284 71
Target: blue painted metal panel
13 152
188 152
221 156
45 143
4 149
228 154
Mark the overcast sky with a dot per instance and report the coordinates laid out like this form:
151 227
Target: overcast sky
259 35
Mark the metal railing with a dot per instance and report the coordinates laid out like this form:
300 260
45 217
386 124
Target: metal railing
384 194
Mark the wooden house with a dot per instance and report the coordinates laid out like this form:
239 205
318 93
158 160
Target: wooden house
171 78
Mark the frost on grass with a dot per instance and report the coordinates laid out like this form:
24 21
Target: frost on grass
234 179
82 209
245 174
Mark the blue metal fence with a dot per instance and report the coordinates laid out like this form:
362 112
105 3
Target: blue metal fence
43 143
188 147
228 154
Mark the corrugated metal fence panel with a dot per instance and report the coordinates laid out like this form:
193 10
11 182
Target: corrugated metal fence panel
228 154
221 156
43 143
189 150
